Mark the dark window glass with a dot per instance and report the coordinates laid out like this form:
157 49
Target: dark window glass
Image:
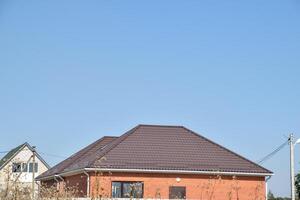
16 167
127 189
31 167
24 167
116 189
36 166
176 192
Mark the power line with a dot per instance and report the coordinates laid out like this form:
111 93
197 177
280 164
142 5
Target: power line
53 155
43 153
272 153
47 154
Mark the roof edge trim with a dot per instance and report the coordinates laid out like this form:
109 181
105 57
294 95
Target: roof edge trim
179 172
78 171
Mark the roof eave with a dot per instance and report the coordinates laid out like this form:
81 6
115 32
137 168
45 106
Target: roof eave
223 173
181 172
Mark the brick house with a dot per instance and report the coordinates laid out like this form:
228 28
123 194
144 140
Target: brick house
166 162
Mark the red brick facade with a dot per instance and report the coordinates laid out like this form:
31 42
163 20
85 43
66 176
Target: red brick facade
157 185
78 182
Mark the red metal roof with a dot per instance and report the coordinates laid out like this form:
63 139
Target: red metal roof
156 147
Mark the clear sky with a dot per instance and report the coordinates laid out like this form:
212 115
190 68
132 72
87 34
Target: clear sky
74 71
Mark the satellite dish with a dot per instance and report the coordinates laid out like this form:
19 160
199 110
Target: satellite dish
297 141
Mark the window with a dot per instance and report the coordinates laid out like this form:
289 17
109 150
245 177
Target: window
31 167
24 167
16 167
116 189
176 192
127 189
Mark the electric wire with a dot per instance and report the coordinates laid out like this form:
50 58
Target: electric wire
264 159
270 155
52 155
43 153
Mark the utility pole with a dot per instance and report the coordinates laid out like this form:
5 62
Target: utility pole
291 141
33 172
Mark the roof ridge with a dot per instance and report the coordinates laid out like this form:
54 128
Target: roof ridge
37 154
110 137
161 125
85 150
228 150
76 157
115 143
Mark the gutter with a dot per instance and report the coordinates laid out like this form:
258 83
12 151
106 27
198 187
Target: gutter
180 172
61 178
266 182
87 183
73 172
57 181
68 173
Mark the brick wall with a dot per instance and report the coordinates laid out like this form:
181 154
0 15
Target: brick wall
49 183
77 182
197 186
157 185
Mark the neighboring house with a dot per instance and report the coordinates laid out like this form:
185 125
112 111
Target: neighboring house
17 165
152 161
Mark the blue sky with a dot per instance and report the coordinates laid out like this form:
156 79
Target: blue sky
74 71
